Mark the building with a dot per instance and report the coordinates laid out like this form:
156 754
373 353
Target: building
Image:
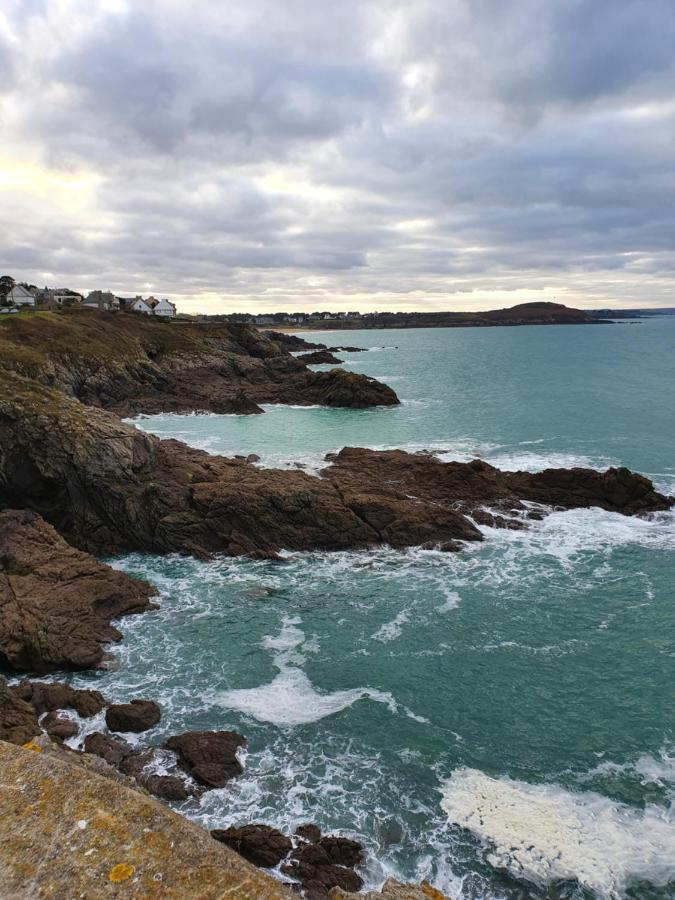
18 295
57 298
164 308
140 305
101 300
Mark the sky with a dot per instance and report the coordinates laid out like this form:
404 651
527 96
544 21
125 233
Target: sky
282 155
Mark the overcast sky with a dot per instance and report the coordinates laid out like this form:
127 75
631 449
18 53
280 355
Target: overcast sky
366 154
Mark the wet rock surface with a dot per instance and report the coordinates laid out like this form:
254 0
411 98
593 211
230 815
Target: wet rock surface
261 845
108 488
319 357
18 719
139 715
210 757
57 603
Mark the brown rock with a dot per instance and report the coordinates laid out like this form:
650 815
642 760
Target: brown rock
56 603
59 727
47 696
18 721
259 844
308 832
319 357
134 763
139 715
326 864
208 756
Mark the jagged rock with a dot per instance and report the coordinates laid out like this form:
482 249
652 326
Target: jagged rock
308 832
58 726
56 603
139 715
261 845
210 757
325 864
69 832
18 720
319 357
112 750
48 696
134 763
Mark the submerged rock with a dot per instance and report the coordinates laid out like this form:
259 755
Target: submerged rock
139 715
210 757
57 603
261 845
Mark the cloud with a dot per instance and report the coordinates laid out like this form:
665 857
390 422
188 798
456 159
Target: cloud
436 153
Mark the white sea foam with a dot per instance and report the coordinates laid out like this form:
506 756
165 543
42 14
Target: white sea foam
544 833
391 630
290 698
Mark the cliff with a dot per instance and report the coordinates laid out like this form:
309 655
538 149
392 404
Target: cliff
131 364
69 832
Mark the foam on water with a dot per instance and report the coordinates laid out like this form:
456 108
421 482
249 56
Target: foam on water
544 833
290 699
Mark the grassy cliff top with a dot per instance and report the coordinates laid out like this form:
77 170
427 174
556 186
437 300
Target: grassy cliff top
29 342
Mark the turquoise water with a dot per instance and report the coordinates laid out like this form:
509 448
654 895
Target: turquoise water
499 721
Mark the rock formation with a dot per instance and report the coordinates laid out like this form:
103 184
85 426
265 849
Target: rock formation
210 757
319 357
131 365
139 715
57 603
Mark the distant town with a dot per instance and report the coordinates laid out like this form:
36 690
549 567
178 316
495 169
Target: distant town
21 296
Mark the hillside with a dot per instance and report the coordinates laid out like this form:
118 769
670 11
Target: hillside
133 364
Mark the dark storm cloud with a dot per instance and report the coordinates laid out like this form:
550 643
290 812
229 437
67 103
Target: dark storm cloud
439 147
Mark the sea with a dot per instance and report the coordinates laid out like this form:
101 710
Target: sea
498 721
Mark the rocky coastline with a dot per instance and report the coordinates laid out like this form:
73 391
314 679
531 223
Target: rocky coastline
77 482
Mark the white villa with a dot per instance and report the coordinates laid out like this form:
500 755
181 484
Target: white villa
20 296
153 307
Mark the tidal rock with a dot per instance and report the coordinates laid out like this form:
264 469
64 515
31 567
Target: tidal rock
325 864
56 603
261 845
319 357
137 764
59 727
308 832
48 696
210 757
139 715
18 720
109 488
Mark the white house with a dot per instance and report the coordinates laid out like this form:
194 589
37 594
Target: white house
141 306
165 308
20 296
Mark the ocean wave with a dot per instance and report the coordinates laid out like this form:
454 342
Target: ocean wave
545 833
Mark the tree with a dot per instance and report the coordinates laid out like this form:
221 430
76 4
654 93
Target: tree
6 285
